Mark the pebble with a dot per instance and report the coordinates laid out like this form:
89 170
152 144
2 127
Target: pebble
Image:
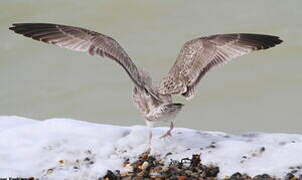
188 172
145 165
128 168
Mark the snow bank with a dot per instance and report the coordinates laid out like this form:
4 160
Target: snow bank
71 149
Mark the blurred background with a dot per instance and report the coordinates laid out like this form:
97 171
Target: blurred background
257 92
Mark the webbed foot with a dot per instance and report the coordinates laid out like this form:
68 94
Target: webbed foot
167 134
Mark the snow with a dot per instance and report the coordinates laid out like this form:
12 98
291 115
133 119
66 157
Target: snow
72 149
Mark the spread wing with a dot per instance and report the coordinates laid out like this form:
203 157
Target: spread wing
199 55
79 39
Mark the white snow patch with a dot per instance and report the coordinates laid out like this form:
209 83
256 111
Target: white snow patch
71 149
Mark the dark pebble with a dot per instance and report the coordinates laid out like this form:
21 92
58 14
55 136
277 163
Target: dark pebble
211 171
294 171
110 175
262 149
289 176
263 177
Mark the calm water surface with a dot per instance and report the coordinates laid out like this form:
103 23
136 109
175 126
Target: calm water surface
257 92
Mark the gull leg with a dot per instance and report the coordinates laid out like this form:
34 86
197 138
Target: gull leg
150 126
168 133
149 141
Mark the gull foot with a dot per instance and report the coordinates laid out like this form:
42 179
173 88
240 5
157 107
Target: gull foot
168 134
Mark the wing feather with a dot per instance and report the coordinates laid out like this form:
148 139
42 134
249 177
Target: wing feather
80 39
199 55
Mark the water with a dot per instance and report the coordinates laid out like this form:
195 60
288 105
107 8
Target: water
256 92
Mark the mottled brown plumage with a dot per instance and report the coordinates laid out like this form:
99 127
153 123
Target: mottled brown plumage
199 55
195 59
80 39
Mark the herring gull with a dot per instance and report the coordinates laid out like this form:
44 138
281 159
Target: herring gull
195 59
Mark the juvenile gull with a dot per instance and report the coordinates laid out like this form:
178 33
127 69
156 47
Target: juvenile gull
195 59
